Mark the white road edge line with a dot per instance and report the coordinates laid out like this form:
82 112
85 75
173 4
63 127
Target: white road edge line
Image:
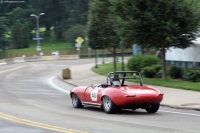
50 80
180 113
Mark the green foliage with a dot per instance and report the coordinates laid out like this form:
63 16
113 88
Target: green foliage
158 23
176 72
61 14
101 27
17 13
75 31
149 71
17 35
3 30
8 7
20 35
192 75
26 35
101 32
152 71
136 63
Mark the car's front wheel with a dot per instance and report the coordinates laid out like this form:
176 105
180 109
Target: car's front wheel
153 108
76 102
108 106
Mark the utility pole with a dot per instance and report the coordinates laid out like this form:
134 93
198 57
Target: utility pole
38 47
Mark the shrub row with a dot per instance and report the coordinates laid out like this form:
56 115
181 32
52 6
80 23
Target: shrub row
188 74
150 67
137 63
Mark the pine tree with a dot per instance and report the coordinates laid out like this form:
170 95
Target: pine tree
3 30
26 35
17 35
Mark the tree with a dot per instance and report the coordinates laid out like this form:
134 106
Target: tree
20 35
101 31
78 12
26 35
17 13
61 14
17 35
160 23
55 12
3 31
72 12
75 31
6 7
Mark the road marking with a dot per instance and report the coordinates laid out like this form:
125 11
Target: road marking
36 124
40 125
11 69
50 80
180 113
3 63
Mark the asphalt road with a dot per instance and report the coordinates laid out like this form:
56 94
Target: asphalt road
34 100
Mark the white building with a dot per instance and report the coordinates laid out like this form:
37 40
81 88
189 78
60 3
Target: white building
188 57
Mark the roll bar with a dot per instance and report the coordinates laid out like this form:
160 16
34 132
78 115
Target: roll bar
123 76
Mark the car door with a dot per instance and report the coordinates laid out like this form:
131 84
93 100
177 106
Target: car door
92 94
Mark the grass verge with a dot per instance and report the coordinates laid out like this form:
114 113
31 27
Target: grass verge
104 69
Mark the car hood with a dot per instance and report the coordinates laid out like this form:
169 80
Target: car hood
141 90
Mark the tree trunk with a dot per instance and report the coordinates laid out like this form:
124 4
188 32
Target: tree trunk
96 59
114 59
163 62
48 29
142 50
59 35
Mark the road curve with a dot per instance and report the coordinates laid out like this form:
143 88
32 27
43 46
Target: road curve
33 99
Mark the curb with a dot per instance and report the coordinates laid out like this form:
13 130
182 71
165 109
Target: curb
37 58
60 78
180 107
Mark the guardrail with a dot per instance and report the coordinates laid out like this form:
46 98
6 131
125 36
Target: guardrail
37 58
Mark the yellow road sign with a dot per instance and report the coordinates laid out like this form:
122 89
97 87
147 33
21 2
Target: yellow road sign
79 40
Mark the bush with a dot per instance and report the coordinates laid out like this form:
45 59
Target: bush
159 74
192 75
136 63
176 72
151 71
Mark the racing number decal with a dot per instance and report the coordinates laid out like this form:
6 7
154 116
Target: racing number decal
93 95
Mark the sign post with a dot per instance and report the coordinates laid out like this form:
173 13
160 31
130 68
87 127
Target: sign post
78 43
38 47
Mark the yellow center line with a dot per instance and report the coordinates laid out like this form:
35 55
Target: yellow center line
11 69
32 123
40 125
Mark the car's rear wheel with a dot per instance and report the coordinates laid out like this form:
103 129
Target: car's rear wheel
108 106
153 108
76 102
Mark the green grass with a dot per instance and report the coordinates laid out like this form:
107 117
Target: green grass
104 69
45 46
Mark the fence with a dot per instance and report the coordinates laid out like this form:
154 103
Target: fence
84 52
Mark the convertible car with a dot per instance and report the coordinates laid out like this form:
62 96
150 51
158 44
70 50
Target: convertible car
118 93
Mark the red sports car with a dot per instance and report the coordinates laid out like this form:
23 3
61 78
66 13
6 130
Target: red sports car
118 94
